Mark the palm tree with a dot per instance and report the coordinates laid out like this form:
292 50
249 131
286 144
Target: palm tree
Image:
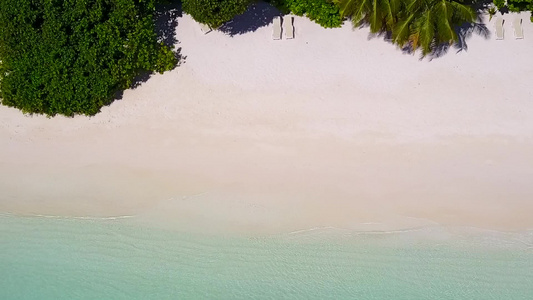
381 15
417 23
429 23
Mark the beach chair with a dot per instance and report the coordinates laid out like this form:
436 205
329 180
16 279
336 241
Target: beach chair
499 28
205 28
276 31
517 26
287 27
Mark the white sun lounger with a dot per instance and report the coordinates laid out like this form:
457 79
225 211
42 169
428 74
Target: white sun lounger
276 30
517 26
499 28
205 28
287 27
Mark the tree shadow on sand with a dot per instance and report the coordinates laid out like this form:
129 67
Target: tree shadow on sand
166 20
257 15
464 32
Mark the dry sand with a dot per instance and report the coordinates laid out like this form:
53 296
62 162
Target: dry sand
327 130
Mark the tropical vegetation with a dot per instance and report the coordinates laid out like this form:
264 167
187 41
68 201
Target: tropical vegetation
73 56
424 24
324 12
521 5
500 4
515 5
214 12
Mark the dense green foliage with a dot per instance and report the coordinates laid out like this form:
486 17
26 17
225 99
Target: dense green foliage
324 12
520 5
515 5
499 3
214 12
423 24
72 56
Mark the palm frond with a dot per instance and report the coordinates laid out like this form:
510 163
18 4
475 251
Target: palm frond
355 9
390 12
414 38
427 31
395 6
414 6
463 13
443 21
401 31
375 17
346 7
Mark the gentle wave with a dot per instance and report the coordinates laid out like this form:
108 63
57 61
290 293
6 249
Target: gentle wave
68 217
66 258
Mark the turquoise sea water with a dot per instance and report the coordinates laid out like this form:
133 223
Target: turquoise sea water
61 258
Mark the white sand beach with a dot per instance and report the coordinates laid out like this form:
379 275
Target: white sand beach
329 129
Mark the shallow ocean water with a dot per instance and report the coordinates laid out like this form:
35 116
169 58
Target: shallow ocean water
64 258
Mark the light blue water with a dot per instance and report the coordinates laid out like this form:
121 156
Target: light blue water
53 258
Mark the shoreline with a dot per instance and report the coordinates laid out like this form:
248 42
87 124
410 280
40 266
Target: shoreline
428 230
327 129
317 265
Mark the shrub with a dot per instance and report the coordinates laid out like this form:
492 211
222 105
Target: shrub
520 5
500 4
72 56
214 12
324 12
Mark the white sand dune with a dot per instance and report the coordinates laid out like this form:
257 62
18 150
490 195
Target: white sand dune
327 129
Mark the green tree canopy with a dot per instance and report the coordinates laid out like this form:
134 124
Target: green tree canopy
214 12
324 12
421 24
430 23
72 56
381 15
520 5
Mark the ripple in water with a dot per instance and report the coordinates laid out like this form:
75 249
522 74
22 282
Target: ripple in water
60 258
